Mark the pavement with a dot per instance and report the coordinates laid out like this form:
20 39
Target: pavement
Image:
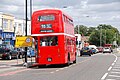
13 65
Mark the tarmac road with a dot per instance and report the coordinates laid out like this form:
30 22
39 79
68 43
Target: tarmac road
87 68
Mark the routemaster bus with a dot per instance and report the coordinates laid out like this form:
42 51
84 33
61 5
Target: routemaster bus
54 32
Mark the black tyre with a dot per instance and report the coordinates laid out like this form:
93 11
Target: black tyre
89 54
9 56
75 59
68 62
20 56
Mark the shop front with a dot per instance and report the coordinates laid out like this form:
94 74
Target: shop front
7 38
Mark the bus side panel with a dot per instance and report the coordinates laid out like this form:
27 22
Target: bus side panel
62 49
70 48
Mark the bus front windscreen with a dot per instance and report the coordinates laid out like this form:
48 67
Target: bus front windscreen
49 41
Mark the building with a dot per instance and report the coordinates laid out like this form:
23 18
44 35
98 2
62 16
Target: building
10 27
7 28
20 27
78 40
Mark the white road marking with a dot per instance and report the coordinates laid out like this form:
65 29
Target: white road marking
104 76
66 67
61 68
57 70
115 58
110 68
113 64
51 72
114 76
110 79
117 64
115 72
116 69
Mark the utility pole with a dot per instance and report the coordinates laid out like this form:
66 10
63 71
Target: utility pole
31 17
78 29
105 36
100 36
30 9
26 31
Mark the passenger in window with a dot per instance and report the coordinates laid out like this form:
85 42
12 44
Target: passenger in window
54 43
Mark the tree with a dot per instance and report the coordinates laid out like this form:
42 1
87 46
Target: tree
107 33
90 30
95 38
81 29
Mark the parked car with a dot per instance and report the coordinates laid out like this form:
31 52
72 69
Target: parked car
16 53
100 49
6 53
7 46
107 50
93 49
85 51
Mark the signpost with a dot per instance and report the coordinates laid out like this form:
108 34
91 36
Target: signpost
23 41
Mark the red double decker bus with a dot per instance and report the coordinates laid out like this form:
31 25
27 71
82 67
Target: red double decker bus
54 32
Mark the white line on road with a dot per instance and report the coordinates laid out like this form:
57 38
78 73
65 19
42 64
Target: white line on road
115 72
57 70
61 68
110 79
51 72
117 64
114 76
116 69
105 75
110 68
115 58
113 64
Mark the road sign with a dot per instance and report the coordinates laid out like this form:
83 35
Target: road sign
23 41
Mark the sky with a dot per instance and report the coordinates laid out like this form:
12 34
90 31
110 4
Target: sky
90 13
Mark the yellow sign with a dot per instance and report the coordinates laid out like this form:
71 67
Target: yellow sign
23 41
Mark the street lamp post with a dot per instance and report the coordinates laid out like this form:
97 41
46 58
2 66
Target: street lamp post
25 30
30 9
26 19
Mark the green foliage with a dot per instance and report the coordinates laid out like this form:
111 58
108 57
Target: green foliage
81 29
95 38
106 33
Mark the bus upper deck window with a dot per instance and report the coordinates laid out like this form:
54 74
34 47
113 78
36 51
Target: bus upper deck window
46 18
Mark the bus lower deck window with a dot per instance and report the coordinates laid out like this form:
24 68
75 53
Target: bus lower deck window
49 41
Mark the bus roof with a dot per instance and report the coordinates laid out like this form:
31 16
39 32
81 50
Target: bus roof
52 11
